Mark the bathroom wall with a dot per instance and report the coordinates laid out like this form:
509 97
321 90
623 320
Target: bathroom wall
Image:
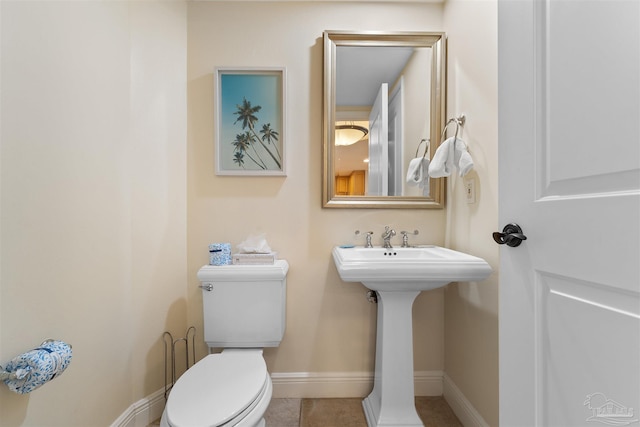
471 309
109 199
330 324
93 196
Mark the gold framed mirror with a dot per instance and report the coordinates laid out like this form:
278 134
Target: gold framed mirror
387 90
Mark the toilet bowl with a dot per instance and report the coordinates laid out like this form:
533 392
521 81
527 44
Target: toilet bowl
232 388
243 312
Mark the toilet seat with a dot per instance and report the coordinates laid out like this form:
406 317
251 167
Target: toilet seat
218 389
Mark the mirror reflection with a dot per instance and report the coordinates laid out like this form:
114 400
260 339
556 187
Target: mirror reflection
383 103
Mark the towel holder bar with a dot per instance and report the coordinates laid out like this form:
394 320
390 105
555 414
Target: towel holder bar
426 148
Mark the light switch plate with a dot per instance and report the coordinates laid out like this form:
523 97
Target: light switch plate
470 187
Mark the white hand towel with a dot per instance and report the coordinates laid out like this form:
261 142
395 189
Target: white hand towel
462 158
442 162
451 153
417 172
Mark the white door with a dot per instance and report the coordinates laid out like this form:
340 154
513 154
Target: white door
396 139
378 144
569 175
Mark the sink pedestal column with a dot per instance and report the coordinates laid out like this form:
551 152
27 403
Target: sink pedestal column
392 401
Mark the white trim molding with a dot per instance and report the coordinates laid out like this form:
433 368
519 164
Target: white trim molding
324 385
143 412
464 410
344 384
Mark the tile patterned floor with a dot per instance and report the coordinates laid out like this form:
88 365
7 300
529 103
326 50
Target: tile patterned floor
434 412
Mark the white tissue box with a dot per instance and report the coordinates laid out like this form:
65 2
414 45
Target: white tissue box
254 259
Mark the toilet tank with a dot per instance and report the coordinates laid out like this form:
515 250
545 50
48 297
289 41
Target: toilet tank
246 304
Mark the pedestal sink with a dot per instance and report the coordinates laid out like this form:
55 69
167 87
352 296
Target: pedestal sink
398 275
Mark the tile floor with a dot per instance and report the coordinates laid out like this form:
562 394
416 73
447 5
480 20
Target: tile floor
434 412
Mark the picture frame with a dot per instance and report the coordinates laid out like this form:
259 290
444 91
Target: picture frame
250 121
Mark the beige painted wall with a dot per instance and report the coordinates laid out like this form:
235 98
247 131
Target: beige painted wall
471 309
330 324
93 194
102 193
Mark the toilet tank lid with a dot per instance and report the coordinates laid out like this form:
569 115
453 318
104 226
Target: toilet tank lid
217 388
236 272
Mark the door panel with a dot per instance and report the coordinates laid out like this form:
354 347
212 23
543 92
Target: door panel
584 329
588 91
396 140
378 144
569 175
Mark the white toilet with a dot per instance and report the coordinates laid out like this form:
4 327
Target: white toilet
244 311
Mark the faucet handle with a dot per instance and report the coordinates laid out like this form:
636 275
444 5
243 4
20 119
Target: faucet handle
367 237
405 237
368 241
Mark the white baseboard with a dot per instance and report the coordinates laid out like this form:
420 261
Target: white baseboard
461 406
344 384
428 383
143 412
324 385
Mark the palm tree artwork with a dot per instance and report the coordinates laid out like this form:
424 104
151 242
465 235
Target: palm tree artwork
247 116
251 121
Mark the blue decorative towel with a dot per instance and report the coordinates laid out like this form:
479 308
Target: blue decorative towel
36 367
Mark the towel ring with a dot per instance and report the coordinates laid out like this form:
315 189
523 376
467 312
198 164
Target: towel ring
426 148
459 121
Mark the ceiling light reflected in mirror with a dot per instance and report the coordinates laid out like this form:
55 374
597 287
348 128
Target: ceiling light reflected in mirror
350 133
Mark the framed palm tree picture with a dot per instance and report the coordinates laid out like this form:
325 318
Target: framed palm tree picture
250 121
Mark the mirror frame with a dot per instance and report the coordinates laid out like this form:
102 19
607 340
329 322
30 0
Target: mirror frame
437 42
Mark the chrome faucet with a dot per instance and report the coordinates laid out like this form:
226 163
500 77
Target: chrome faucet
386 237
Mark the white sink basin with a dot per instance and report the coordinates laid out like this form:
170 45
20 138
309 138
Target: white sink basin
407 269
398 275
